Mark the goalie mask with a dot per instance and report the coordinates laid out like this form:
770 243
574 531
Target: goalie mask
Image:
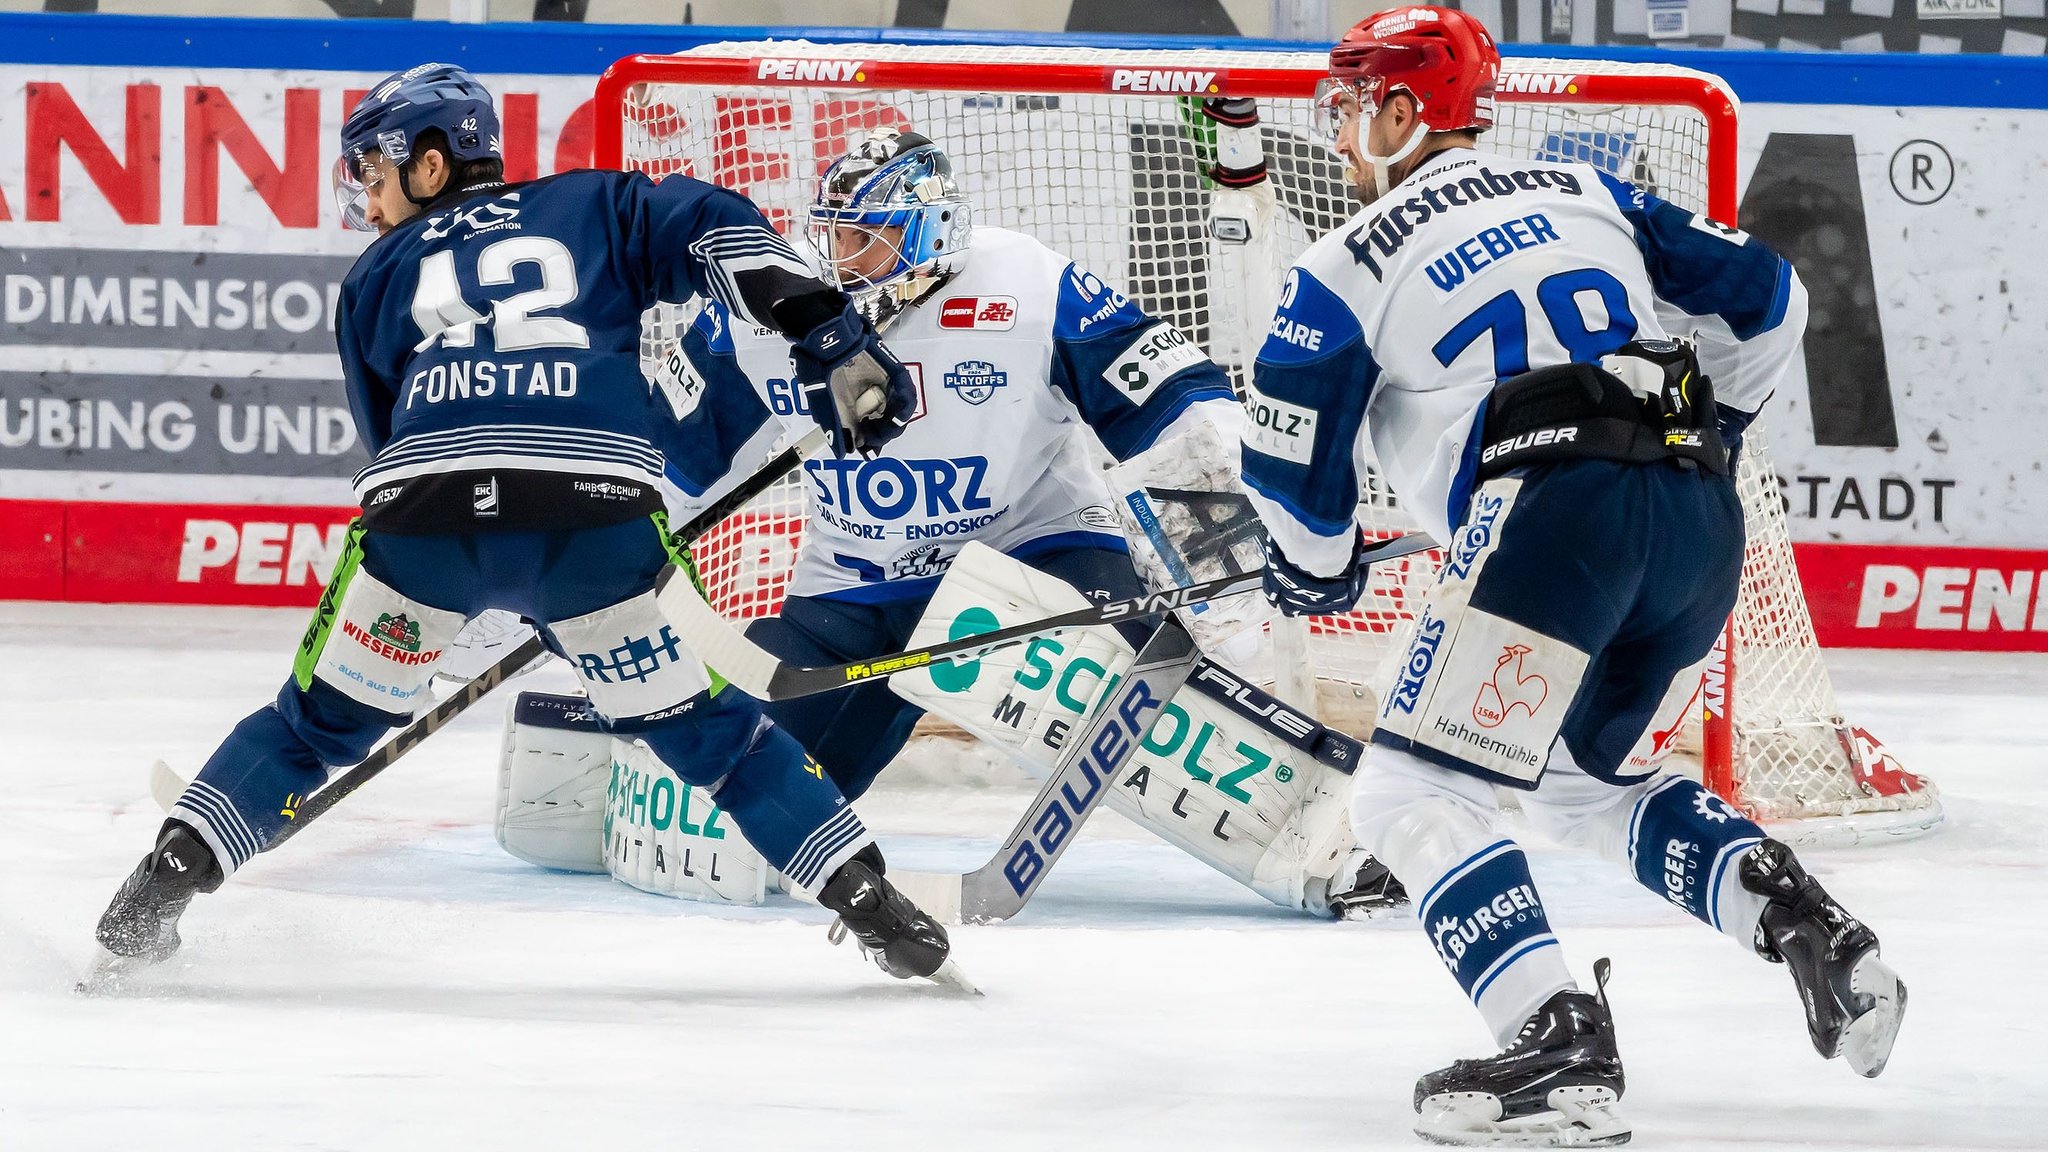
890 221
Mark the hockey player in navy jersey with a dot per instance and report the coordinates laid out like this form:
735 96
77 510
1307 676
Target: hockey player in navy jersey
1510 337
1023 354
490 344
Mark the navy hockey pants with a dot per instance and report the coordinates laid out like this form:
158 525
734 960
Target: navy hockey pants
1577 601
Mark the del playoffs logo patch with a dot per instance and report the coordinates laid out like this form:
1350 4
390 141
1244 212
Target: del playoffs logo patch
976 380
981 313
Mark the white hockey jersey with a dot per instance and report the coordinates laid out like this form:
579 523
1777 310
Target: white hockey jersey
1012 356
1394 329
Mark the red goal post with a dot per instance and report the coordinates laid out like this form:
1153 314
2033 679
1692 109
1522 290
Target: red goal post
1052 140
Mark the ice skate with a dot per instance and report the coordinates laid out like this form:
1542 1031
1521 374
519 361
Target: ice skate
1363 888
1558 1085
1854 1001
899 936
140 927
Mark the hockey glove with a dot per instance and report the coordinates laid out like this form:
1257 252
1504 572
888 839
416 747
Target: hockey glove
857 391
1299 592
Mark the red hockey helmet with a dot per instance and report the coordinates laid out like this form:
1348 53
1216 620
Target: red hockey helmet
1442 57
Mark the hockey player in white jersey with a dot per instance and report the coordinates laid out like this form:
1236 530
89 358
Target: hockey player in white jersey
1020 353
1507 339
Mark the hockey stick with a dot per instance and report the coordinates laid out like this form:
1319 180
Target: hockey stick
1087 769
759 674
532 651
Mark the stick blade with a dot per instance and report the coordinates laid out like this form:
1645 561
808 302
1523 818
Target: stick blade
165 785
937 893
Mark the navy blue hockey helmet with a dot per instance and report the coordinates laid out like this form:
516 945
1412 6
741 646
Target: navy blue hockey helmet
397 110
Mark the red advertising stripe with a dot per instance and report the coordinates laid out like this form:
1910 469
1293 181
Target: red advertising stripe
31 550
262 554
1901 596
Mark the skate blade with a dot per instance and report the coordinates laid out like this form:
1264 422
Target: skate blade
1584 1116
108 973
950 977
1867 1040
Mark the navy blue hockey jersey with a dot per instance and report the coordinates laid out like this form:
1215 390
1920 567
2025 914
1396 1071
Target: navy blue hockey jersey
492 347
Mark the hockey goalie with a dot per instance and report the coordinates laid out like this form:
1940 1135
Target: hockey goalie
1030 367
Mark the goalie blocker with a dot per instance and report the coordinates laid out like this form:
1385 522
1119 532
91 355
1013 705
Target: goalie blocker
1253 789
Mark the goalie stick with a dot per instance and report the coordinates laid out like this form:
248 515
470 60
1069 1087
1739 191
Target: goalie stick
1087 770
164 781
759 674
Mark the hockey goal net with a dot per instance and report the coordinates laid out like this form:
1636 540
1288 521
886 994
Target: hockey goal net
1094 152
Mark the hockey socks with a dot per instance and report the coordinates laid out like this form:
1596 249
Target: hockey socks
790 810
1488 926
1685 844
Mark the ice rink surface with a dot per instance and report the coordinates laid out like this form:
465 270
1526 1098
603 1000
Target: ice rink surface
392 980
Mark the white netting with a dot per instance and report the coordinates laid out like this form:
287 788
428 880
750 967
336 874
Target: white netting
1115 180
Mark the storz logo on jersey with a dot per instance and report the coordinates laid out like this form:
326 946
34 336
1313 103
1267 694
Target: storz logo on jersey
1475 537
976 380
889 489
1429 632
981 313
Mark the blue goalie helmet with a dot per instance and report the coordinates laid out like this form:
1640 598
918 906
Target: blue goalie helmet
391 118
890 181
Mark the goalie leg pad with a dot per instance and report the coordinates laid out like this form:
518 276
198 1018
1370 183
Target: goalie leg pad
553 771
663 836
1206 778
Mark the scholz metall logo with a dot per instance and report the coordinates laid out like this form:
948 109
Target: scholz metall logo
975 380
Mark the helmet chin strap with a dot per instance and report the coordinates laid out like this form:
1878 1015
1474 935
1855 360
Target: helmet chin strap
1380 165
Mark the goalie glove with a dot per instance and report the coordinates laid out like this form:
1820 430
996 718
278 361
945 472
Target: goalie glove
1298 592
1186 516
856 390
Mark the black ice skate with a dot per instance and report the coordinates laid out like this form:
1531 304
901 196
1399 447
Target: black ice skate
1558 1085
1364 888
902 939
140 927
1854 1001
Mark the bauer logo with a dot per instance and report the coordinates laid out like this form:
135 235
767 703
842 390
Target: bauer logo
1162 80
841 71
981 313
975 380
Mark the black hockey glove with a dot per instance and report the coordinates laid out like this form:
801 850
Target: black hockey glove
1297 592
857 391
